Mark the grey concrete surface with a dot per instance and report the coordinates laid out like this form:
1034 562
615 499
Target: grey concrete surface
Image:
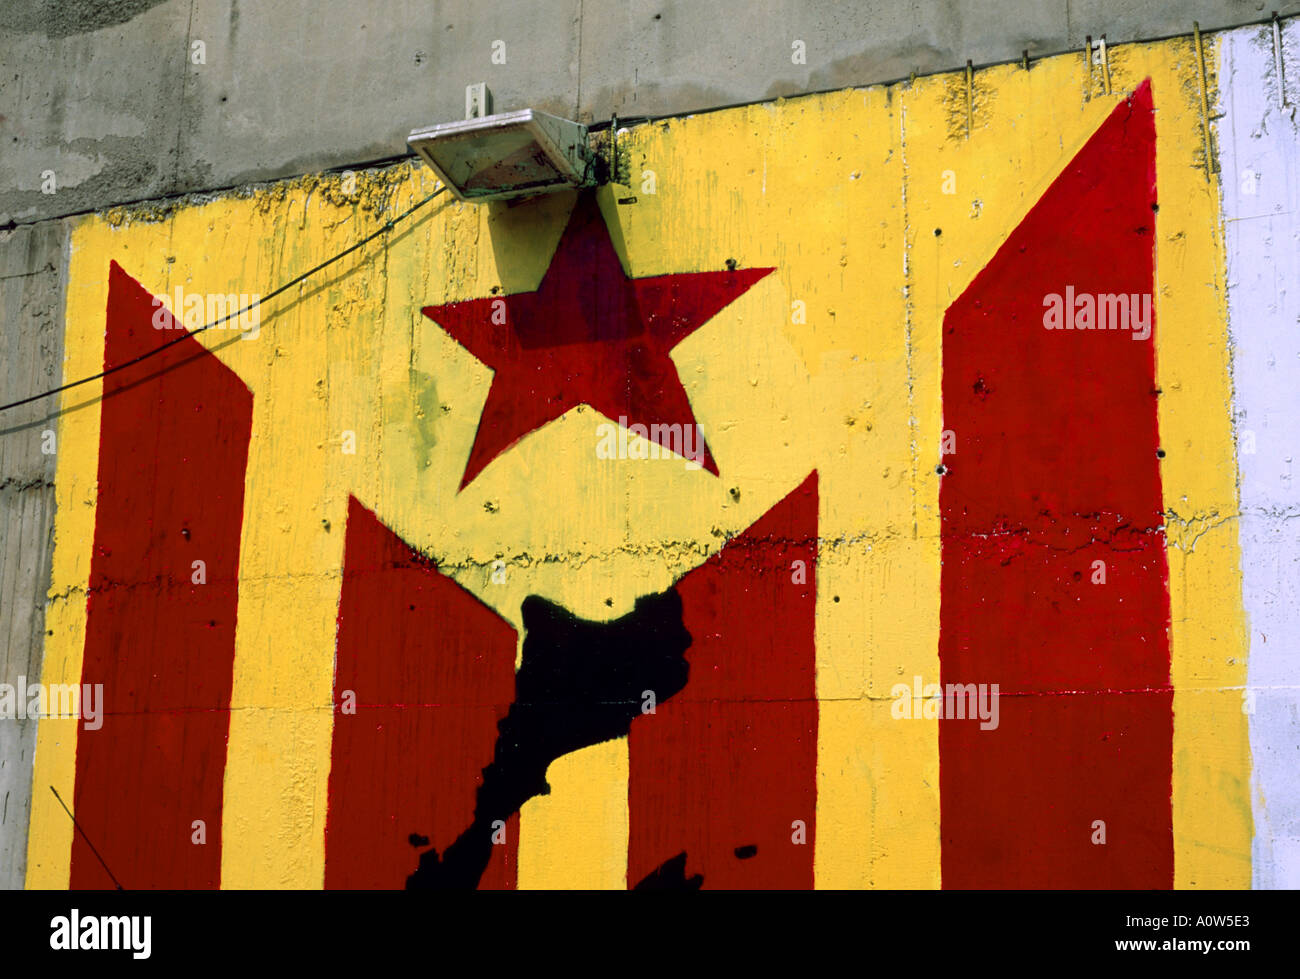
32 263
99 108
135 99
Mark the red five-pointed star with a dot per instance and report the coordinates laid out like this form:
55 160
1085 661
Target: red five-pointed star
588 335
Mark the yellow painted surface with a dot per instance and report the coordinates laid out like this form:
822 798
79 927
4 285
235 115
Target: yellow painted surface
50 833
576 837
1208 637
841 193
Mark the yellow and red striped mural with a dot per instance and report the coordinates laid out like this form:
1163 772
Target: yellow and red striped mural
329 574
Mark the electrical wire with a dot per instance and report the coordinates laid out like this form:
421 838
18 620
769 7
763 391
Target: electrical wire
387 226
102 863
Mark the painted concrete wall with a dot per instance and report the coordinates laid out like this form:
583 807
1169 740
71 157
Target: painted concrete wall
907 478
399 490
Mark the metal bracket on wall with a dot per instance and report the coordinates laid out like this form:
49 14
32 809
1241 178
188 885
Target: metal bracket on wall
1087 67
478 101
970 98
1210 168
1277 60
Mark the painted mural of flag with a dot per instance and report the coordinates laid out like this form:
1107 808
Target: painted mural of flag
605 541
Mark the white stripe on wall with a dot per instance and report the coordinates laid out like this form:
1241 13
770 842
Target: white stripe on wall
1259 153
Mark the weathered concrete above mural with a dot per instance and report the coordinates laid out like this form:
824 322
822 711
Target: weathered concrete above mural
137 99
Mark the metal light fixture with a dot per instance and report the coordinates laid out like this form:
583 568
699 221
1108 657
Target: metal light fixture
493 157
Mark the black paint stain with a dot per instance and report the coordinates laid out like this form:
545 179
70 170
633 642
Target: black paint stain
581 683
745 852
671 876
415 839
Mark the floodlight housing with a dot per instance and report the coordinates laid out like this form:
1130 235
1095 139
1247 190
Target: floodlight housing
510 154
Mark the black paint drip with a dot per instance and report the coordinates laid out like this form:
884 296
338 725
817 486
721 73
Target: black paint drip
671 876
580 683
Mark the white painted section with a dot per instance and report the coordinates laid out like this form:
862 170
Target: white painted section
1259 149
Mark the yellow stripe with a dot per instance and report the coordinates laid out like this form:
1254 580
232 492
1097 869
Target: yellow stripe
576 837
1211 775
313 371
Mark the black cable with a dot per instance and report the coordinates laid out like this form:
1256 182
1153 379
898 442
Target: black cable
388 226
87 839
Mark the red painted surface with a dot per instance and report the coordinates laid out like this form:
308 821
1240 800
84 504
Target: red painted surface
731 761
172 451
1056 468
433 670
588 335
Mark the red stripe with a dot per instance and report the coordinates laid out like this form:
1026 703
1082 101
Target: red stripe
173 447
731 761
1056 468
433 671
